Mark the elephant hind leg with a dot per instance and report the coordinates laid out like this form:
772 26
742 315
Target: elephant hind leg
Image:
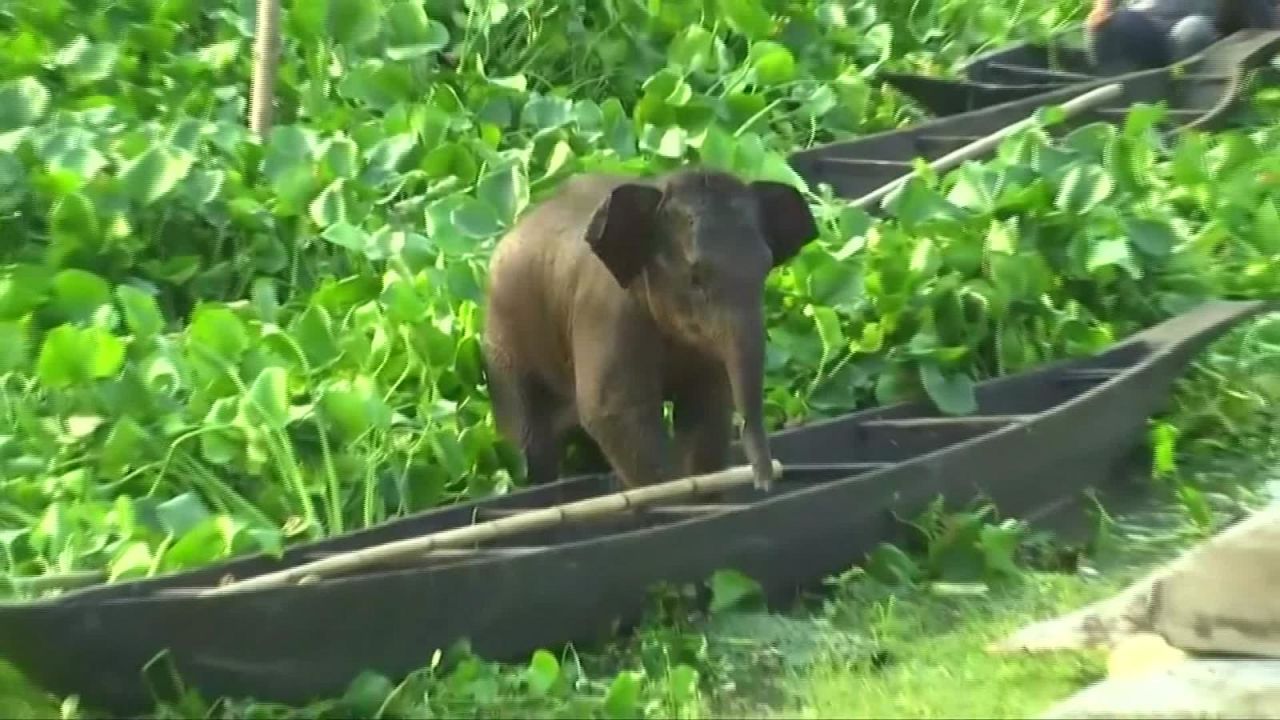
526 414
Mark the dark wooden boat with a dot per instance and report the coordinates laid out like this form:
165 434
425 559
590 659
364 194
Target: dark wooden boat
1038 438
1201 93
1205 86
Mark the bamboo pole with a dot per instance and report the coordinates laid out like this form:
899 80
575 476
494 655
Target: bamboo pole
1074 106
493 529
266 52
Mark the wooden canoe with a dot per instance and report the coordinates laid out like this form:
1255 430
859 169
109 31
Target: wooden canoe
1039 438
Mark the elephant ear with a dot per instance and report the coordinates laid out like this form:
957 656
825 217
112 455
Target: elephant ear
621 231
788 222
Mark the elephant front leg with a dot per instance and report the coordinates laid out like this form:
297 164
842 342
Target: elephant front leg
620 407
704 425
634 441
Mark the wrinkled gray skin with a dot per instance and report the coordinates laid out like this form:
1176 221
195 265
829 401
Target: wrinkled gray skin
619 293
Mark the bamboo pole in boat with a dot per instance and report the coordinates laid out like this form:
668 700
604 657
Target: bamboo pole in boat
1074 106
493 529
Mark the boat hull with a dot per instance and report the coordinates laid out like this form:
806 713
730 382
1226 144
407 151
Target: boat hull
300 643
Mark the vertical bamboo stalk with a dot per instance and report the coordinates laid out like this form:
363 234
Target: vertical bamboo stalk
266 52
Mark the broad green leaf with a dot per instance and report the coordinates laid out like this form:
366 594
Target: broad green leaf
774 64
79 295
1153 237
72 355
506 191
413 34
1112 251
154 173
476 219
74 221
220 331
623 698
23 101
342 158
347 235
330 206
889 565
267 402
314 333
182 513
14 346
125 445
132 560
693 49
1083 188
367 694
543 672
353 22
730 589
953 393
747 17
87 62
141 313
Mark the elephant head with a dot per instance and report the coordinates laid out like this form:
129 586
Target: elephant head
696 246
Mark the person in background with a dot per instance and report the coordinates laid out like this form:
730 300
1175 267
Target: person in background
1153 33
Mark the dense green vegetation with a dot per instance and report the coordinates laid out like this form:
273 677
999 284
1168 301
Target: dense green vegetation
212 345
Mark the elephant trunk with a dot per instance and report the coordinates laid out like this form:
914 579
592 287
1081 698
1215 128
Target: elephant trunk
744 363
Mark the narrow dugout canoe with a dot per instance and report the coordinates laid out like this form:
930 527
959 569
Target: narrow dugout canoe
1038 439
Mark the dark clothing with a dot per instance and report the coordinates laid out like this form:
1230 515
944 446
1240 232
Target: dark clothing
1153 33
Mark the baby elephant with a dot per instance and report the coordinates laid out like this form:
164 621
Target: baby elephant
619 293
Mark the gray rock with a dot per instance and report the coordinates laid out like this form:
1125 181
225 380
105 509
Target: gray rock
1218 597
1188 689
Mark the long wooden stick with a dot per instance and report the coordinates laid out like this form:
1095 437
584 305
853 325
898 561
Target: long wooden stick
266 52
1074 106
492 529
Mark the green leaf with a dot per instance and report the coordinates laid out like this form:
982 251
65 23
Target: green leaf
774 64
1000 545
154 173
747 17
353 22
133 560
330 206
125 445
693 49
79 295
182 513
543 672
623 698
87 62
1112 251
952 393
347 235
355 407
1153 237
72 355
14 346
219 331
342 158
731 589
506 191
73 220
23 102
267 402
367 693
1083 188
891 566
475 219
412 33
